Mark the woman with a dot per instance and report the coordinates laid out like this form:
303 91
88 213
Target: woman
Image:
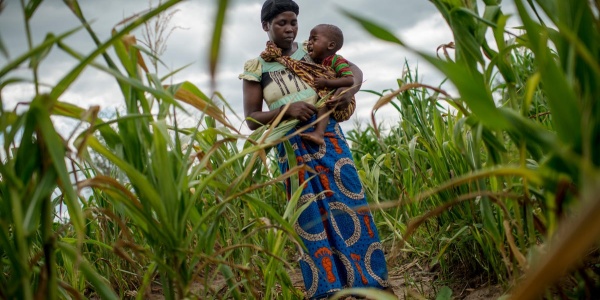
343 247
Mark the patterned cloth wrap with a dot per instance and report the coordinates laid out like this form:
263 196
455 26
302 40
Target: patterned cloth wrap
337 228
308 72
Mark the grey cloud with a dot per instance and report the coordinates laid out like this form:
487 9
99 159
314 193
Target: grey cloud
243 39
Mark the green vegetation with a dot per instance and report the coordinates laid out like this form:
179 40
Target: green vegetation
504 181
501 181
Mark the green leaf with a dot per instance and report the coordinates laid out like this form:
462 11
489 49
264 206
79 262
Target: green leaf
31 8
467 46
374 29
125 57
532 132
561 97
74 7
43 190
550 7
445 293
491 14
72 111
35 59
164 178
158 92
577 233
3 50
7 120
57 152
215 44
469 82
72 75
292 163
138 179
100 284
473 90
13 65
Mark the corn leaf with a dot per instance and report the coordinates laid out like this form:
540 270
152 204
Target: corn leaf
215 44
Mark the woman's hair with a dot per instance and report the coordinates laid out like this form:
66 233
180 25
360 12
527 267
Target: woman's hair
272 8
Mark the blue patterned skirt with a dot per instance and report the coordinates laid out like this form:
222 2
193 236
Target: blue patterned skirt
343 246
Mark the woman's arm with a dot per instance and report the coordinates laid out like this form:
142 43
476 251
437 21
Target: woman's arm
256 117
253 103
342 100
358 78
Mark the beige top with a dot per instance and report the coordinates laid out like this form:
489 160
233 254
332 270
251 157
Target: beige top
280 85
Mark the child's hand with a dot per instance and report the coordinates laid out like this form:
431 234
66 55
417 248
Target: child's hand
320 82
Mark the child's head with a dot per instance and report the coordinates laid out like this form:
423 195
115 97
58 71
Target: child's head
325 40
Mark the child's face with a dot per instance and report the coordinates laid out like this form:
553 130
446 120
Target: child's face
319 45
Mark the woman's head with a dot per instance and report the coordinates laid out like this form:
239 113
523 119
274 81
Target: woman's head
271 8
279 19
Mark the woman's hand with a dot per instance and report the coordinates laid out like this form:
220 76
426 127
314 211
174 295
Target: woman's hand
256 117
338 100
300 110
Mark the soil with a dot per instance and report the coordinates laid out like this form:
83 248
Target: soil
408 280
411 281
416 280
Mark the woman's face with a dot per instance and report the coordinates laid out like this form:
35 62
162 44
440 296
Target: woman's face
283 29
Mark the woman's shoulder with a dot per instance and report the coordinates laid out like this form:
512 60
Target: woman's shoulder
252 69
253 62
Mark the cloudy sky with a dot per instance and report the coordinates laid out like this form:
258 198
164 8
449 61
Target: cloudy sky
415 21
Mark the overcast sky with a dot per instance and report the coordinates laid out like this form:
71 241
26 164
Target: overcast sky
415 21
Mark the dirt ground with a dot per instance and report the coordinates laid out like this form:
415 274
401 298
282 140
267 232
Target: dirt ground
411 281
408 282
415 280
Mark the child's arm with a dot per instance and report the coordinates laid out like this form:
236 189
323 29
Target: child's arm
343 96
335 83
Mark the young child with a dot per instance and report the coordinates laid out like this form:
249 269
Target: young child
324 42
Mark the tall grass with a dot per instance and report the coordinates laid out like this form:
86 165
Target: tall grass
429 161
507 176
182 210
501 178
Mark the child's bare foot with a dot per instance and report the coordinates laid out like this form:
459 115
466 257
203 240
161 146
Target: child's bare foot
314 137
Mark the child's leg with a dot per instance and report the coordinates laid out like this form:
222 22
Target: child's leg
318 135
322 124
